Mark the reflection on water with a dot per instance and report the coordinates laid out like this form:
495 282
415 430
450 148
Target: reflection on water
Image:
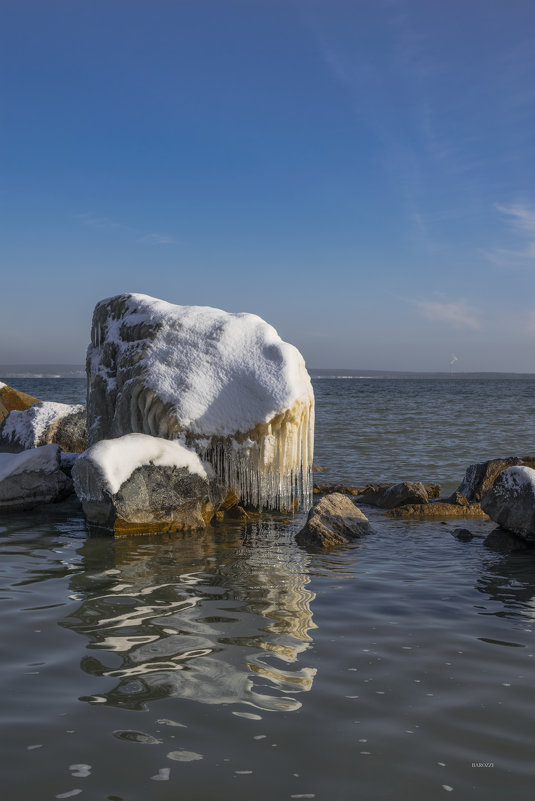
510 580
220 618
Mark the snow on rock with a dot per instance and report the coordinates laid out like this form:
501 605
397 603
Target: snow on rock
139 483
224 383
43 423
31 478
12 399
511 501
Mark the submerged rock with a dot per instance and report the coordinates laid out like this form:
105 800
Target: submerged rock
437 510
45 423
391 496
462 534
480 477
335 520
504 541
226 384
13 400
31 478
511 501
141 484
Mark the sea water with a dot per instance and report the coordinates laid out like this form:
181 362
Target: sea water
232 664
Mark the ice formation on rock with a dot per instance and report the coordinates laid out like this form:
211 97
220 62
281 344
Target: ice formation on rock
225 384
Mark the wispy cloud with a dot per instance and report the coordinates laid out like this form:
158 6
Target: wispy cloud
521 220
105 223
457 313
98 222
157 239
521 217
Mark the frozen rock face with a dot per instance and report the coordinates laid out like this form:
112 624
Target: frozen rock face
335 520
511 501
143 484
13 400
45 423
31 478
225 384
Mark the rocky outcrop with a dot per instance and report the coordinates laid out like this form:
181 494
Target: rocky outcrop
389 497
511 501
31 478
13 400
45 423
437 510
479 478
224 383
141 484
335 520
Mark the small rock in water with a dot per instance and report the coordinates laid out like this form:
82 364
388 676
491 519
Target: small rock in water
462 534
335 520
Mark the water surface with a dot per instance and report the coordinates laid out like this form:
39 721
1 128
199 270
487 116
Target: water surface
234 665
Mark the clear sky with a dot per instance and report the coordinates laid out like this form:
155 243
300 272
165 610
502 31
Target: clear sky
360 173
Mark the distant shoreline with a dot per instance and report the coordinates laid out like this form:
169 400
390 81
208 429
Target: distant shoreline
78 371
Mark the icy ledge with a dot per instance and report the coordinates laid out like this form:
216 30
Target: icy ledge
225 384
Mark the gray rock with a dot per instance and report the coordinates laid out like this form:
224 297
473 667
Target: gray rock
511 501
335 520
504 542
479 478
149 497
462 534
389 497
31 478
45 423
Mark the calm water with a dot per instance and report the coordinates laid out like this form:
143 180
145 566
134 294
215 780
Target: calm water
233 665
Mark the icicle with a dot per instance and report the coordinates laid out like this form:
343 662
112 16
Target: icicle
271 468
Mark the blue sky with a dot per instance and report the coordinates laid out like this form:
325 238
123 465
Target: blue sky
359 173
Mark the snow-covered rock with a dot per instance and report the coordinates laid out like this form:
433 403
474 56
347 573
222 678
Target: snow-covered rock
511 501
44 423
32 477
225 384
480 477
13 399
139 483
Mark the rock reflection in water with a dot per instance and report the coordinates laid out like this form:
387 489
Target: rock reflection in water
510 580
219 618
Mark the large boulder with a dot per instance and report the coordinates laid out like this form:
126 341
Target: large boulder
225 384
45 423
13 400
142 484
511 501
31 478
335 520
389 497
480 477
